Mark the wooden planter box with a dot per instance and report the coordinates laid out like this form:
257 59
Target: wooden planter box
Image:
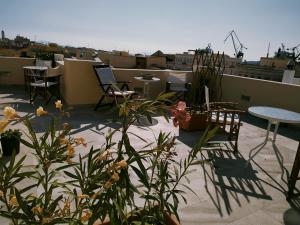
170 220
197 122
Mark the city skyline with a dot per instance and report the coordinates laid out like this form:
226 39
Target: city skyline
145 27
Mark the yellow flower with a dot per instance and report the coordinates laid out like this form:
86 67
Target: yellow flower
83 196
58 104
66 125
10 113
66 209
40 111
122 164
95 195
64 141
3 124
37 210
46 220
98 222
80 141
115 177
69 161
104 155
87 215
71 151
1 194
13 201
107 185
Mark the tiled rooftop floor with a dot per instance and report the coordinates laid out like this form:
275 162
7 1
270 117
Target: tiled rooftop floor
228 193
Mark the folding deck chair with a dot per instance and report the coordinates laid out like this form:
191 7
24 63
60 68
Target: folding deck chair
108 84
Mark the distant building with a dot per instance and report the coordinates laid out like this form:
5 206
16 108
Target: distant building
2 35
170 61
158 53
151 62
184 61
86 53
258 72
20 42
120 53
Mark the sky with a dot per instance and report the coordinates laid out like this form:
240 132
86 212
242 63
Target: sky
141 26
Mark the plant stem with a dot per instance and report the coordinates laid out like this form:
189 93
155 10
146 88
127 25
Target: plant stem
15 221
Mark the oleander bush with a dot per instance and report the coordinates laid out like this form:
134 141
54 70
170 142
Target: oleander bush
117 181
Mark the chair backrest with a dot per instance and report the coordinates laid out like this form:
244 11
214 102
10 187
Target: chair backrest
47 63
177 79
58 57
226 119
97 59
206 89
105 76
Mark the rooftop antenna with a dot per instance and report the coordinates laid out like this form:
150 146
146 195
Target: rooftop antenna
268 50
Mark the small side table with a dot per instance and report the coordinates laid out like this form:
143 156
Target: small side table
274 116
294 175
146 84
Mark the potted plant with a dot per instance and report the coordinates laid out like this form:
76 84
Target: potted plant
10 142
98 186
207 71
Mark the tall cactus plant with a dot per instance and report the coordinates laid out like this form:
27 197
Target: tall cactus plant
208 71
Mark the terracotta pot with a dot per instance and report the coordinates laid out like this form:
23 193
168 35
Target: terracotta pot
197 122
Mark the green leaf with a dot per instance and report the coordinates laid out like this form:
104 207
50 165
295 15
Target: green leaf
71 175
24 206
54 204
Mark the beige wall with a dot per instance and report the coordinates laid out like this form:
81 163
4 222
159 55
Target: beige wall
104 57
123 61
261 92
80 85
14 65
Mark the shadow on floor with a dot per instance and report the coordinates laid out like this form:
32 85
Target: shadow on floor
231 181
82 117
286 130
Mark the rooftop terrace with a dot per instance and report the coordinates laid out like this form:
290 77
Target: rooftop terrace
228 193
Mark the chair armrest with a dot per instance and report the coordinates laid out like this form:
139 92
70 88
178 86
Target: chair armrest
233 111
124 82
188 85
226 105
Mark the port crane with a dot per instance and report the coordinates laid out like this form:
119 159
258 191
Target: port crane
295 52
238 46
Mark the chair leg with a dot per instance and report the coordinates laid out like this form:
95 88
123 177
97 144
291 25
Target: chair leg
99 103
33 94
234 143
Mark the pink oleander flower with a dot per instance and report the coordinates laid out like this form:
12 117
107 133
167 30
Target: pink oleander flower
179 113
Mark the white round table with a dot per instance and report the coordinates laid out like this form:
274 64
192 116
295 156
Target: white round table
274 116
146 84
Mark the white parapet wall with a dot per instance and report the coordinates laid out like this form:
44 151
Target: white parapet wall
289 77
